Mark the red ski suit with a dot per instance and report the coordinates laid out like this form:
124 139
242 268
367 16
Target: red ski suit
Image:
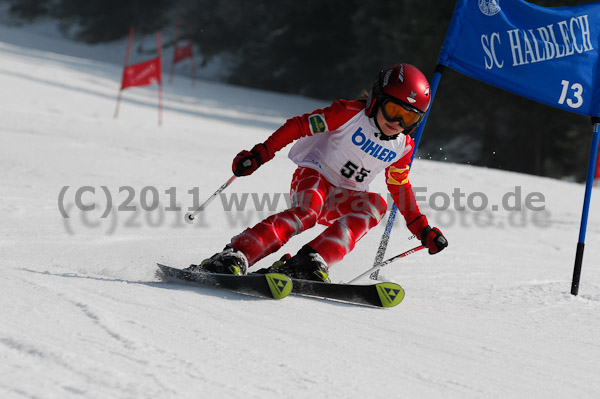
339 153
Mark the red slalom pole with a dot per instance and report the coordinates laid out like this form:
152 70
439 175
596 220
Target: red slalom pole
192 65
127 52
160 86
174 49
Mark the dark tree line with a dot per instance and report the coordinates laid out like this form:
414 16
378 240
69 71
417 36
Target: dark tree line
333 49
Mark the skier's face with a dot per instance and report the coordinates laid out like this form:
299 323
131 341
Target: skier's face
388 128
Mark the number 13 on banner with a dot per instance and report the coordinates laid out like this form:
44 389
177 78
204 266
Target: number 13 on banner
577 91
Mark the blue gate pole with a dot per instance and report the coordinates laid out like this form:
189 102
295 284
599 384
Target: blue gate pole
586 206
435 81
418 133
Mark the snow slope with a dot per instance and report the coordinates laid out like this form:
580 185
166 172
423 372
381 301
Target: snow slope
83 314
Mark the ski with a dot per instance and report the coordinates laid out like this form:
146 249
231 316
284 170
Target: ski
270 285
384 295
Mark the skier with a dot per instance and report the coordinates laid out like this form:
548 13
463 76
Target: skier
339 151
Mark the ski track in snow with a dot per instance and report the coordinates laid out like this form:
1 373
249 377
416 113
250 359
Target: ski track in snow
83 314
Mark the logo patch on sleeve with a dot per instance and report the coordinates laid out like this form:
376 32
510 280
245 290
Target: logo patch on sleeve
317 123
397 176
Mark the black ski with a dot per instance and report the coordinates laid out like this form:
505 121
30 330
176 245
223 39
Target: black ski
381 294
270 285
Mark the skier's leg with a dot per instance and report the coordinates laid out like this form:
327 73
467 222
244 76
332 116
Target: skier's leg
352 217
309 190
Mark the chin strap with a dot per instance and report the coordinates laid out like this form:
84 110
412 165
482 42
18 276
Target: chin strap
382 136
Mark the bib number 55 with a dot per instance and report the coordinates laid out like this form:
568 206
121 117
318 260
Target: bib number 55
350 170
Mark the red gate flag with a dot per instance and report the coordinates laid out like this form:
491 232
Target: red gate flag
142 74
181 53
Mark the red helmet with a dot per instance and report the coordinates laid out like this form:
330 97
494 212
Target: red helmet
404 84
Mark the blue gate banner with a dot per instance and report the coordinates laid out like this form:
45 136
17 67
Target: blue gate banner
549 55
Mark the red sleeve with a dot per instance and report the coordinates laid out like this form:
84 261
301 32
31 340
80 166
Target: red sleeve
396 176
319 121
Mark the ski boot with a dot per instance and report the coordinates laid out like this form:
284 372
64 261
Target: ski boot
228 261
307 264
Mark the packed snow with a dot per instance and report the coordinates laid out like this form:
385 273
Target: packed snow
84 315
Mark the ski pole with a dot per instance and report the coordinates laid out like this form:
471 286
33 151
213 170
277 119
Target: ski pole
387 262
375 274
189 217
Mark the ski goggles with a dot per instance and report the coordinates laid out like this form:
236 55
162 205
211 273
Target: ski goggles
403 113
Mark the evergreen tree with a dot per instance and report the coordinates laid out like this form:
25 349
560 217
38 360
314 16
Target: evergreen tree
106 20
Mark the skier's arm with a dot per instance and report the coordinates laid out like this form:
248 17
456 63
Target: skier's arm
319 121
404 198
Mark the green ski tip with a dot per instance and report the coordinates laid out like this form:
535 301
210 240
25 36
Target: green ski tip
390 294
280 285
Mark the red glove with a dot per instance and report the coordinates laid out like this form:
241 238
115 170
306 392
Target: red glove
433 239
246 162
430 237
